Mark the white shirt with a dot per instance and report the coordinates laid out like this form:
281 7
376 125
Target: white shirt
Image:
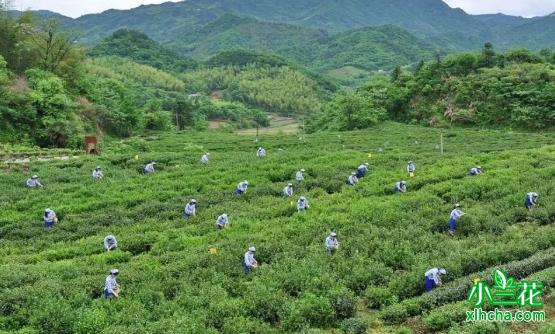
288 191
149 168
399 186
299 176
242 186
97 174
411 168
222 221
110 242
363 168
249 259
433 274
33 183
301 205
50 217
353 179
204 159
190 209
331 242
111 283
261 152
456 214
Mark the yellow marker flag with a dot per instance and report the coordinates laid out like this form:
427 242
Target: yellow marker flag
136 157
291 203
213 250
369 155
411 174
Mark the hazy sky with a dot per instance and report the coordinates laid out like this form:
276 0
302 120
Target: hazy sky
75 8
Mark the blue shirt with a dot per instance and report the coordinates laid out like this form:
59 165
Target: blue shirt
111 283
302 205
49 217
190 209
33 183
222 220
456 214
249 259
411 168
331 242
299 176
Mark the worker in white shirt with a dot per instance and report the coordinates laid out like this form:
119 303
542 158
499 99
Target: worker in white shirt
149 168
242 187
288 190
299 176
401 187
302 204
361 170
112 288
331 243
432 278
352 180
50 218
205 158
190 209
33 182
97 173
110 243
222 221
456 214
531 200
260 152
249 261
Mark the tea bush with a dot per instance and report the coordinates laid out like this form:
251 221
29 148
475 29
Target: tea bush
52 280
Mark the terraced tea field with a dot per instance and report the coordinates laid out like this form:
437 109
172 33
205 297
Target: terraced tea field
52 280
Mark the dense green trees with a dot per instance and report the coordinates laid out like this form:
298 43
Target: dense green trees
487 89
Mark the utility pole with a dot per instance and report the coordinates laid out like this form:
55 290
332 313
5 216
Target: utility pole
441 142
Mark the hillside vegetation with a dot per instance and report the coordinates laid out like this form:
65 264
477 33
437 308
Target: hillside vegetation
52 279
488 89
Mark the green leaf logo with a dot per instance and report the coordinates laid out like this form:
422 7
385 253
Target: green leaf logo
500 279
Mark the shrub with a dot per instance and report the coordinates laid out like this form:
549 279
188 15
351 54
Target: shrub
343 303
394 314
354 326
376 297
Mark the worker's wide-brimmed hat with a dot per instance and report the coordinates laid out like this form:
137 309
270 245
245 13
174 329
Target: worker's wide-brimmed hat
114 271
98 167
442 271
35 177
403 182
207 153
224 215
479 167
458 205
302 198
290 184
333 234
366 164
47 210
535 195
410 162
302 170
246 182
252 249
193 200
353 173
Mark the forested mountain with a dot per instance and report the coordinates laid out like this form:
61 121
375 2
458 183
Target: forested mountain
431 19
141 49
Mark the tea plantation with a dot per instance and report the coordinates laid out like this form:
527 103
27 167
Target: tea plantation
51 280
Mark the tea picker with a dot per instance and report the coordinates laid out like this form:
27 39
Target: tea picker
411 168
331 243
33 182
531 200
475 171
401 187
110 243
432 278
149 168
455 215
50 218
222 221
250 262
190 209
302 204
361 170
111 287
242 187
288 190
299 176
260 152
204 159
97 173
352 180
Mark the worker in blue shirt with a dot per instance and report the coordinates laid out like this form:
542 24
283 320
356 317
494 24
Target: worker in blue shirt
401 187
455 215
299 176
110 243
204 159
260 152
531 200
432 278
411 168
361 170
